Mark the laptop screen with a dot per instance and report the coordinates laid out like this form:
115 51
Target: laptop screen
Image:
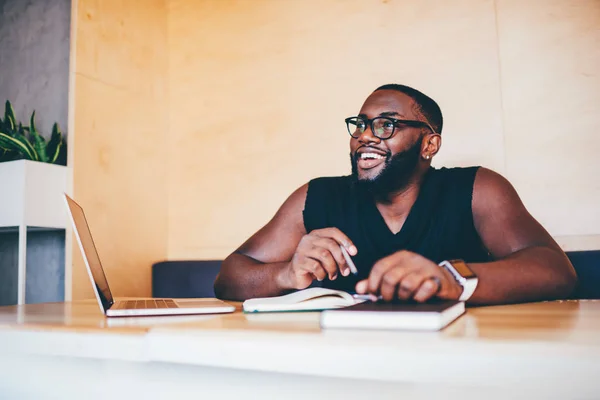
90 254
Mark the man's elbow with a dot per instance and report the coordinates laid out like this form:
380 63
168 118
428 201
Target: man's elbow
224 287
567 282
219 287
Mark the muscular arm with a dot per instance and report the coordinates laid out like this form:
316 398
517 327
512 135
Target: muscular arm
529 265
254 269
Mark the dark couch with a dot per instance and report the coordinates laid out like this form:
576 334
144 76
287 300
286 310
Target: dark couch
179 279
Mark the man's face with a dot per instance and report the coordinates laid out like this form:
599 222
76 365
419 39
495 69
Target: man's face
386 164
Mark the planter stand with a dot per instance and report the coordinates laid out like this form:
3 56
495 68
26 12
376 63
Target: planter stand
31 198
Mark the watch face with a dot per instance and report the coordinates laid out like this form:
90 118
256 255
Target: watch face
463 269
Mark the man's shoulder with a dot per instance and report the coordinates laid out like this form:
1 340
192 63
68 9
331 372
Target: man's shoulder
454 177
478 180
337 179
328 183
491 183
458 171
329 189
472 173
326 196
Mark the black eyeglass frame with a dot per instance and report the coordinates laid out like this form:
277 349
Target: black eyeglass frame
369 122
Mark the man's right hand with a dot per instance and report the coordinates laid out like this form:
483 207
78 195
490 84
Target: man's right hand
317 256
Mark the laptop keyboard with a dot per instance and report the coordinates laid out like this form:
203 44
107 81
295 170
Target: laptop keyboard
146 304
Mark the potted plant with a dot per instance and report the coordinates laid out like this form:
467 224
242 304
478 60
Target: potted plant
33 175
18 142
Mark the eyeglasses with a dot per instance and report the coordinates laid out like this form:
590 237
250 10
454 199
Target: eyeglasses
382 127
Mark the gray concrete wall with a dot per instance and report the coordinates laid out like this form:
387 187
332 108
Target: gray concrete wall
45 279
34 59
9 242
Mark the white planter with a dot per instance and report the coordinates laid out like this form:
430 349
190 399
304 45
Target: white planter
31 196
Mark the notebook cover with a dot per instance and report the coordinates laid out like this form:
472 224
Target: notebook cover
435 306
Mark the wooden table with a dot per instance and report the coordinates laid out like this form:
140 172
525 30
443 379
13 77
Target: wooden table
70 350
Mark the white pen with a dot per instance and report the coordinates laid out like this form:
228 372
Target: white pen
349 260
368 296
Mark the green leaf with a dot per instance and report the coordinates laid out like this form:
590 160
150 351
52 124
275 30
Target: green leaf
39 143
10 143
21 130
23 139
4 155
55 144
32 122
9 117
9 155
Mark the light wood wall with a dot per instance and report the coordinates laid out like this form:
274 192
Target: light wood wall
257 94
120 131
550 71
259 91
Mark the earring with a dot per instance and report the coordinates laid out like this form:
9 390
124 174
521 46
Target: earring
427 156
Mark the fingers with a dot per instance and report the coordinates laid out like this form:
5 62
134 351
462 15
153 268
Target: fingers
322 254
338 236
405 275
395 261
323 245
390 281
314 267
429 288
336 252
405 285
318 256
411 284
362 286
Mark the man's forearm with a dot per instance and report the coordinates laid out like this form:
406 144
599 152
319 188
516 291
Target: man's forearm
532 274
241 277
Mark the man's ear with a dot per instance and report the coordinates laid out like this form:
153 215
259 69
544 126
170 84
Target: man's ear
432 143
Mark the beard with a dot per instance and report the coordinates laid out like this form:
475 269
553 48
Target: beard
396 173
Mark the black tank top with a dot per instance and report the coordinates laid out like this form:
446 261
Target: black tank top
439 225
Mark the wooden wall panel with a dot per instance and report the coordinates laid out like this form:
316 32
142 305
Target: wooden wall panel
120 156
550 58
259 91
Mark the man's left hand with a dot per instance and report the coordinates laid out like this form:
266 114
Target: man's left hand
406 275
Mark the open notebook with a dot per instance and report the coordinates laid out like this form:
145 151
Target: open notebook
311 299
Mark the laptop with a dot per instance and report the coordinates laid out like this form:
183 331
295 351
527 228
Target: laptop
136 307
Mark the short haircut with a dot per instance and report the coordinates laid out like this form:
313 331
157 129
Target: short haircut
425 104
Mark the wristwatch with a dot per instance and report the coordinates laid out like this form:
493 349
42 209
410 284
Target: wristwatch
463 275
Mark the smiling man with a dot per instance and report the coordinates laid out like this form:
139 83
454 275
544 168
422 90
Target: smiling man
413 231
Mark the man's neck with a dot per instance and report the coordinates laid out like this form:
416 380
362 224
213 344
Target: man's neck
396 206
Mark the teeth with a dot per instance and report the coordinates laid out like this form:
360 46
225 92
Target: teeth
371 155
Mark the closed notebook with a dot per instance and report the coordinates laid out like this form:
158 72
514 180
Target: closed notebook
311 299
431 316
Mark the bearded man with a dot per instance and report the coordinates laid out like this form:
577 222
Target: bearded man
414 232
